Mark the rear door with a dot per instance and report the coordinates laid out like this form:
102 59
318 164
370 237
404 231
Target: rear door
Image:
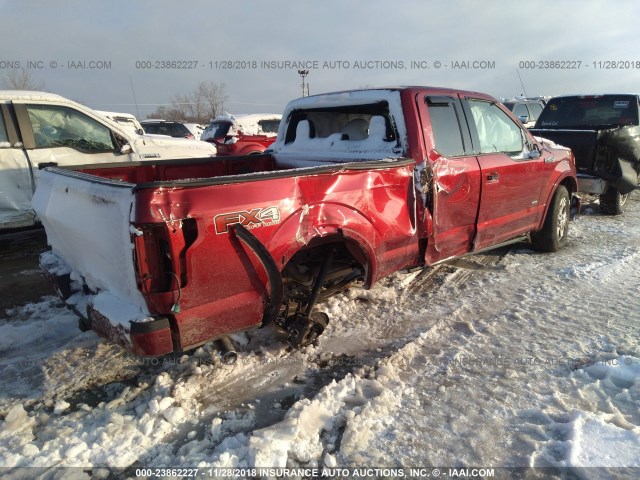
511 181
454 195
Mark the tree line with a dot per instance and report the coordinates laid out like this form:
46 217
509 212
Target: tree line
199 106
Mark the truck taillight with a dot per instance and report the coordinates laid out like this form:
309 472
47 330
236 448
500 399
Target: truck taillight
160 253
153 260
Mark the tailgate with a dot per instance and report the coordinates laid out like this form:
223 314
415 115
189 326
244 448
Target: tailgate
86 219
583 144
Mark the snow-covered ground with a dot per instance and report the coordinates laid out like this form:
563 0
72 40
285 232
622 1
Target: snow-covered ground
509 359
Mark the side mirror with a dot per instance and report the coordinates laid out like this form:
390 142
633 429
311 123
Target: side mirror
140 131
126 149
533 152
523 118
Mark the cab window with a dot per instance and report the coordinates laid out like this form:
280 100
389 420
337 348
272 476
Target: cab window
445 125
56 126
496 131
269 126
520 110
536 110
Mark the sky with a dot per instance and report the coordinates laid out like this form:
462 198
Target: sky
122 55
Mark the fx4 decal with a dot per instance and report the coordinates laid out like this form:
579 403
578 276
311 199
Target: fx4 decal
255 218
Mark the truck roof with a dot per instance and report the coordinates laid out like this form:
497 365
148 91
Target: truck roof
400 88
31 95
587 95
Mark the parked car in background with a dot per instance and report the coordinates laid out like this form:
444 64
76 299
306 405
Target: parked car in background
243 134
39 129
168 128
527 109
604 134
196 129
125 119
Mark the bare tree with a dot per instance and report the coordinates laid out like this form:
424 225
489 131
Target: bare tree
200 106
181 107
20 80
213 98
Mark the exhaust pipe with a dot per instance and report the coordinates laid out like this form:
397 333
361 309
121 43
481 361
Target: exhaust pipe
227 350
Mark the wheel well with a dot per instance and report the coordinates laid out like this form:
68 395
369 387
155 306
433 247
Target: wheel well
348 264
570 185
346 252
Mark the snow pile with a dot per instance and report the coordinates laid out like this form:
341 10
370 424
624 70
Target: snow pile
310 433
113 433
604 430
609 438
598 443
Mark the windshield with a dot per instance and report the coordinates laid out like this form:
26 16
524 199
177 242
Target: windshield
585 112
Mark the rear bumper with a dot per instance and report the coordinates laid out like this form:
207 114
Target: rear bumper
592 185
149 338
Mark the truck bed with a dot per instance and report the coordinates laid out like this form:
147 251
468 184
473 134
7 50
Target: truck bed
151 245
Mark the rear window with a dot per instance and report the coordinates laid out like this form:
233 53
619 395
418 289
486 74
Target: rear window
269 126
583 112
167 128
350 122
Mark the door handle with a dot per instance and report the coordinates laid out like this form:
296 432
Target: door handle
493 177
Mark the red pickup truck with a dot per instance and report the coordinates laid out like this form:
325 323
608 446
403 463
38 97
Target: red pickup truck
248 134
164 256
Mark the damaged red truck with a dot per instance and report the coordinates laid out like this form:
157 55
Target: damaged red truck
164 256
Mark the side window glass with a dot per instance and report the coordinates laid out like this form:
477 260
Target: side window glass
520 110
536 110
55 126
3 130
496 131
445 125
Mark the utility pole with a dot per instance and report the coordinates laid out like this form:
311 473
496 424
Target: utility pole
305 87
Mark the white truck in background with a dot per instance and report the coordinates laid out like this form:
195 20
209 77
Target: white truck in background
124 119
39 129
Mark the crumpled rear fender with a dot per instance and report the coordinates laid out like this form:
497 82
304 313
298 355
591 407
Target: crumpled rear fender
323 220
